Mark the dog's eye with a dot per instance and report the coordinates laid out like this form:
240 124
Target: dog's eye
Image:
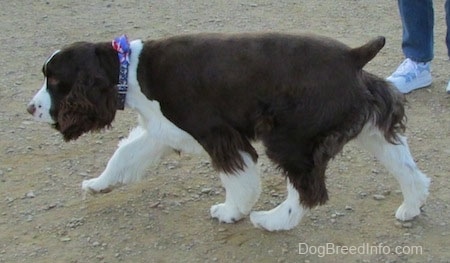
52 81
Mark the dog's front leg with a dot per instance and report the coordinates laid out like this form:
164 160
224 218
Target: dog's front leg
129 161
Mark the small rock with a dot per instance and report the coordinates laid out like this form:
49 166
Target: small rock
155 204
75 222
274 194
50 206
175 203
30 194
379 197
65 239
206 190
407 225
349 208
83 174
339 214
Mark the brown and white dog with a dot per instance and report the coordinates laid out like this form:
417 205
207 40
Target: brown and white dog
303 96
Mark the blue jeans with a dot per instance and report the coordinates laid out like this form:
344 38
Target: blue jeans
418 22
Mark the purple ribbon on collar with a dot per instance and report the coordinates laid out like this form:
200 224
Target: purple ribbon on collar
122 46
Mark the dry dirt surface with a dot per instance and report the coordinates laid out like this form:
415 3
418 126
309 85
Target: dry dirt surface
165 218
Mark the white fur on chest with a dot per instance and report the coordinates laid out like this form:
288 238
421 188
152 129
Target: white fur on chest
151 117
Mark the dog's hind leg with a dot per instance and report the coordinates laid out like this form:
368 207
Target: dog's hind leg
398 160
242 188
304 161
285 216
306 189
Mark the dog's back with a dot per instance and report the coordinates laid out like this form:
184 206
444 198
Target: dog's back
250 72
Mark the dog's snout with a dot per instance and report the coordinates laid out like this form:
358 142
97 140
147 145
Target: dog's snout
31 108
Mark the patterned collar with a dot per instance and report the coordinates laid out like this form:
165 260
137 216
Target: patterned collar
122 46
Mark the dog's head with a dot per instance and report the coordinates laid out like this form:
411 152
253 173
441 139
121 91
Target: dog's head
79 90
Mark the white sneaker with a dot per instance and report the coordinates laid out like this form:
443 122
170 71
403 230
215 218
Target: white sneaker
411 75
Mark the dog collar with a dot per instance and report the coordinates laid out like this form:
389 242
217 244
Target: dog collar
122 46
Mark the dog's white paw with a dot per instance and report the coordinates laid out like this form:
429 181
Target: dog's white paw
277 219
96 186
226 213
407 212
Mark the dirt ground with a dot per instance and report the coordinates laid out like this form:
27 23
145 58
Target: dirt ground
165 218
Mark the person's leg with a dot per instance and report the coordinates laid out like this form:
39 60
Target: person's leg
418 21
417 44
447 37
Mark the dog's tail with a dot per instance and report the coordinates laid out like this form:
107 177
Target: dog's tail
363 54
388 110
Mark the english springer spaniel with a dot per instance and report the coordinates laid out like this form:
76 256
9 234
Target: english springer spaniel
303 96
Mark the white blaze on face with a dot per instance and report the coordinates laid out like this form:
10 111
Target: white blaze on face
41 103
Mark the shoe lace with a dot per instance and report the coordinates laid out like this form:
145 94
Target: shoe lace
407 66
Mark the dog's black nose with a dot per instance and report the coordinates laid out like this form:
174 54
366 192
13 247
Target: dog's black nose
31 109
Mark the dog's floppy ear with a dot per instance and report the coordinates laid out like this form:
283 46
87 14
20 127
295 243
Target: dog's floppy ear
362 55
90 105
